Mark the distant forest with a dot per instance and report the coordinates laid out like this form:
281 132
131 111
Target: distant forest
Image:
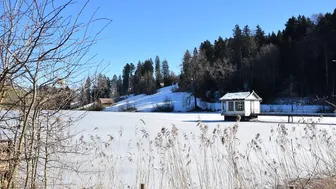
297 61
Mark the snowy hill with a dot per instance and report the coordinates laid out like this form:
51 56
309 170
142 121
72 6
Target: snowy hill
184 102
145 103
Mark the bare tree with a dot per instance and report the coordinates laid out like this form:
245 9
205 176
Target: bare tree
42 52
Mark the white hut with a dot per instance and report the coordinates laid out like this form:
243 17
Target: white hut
245 104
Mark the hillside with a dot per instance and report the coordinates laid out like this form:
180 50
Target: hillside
146 103
183 102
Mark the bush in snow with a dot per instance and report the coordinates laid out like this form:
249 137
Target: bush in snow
175 89
128 107
279 109
96 107
166 106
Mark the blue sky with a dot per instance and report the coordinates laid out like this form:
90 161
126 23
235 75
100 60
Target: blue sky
142 29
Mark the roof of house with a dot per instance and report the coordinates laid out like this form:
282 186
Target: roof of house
106 100
241 96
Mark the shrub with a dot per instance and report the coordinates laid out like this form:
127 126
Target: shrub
166 106
325 109
93 107
279 109
128 107
175 89
96 107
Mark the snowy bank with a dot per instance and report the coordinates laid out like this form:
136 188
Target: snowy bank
184 101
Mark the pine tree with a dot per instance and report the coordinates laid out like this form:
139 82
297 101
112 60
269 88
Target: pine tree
120 86
185 77
260 37
131 78
148 71
166 73
137 83
219 49
126 78
108 89
114 89
237 42
87 91
158 75
208 50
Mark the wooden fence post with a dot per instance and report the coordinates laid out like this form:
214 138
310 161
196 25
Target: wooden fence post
142 186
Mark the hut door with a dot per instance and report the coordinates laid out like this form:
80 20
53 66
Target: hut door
252 107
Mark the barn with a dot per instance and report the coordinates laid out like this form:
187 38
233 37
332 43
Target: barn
245 104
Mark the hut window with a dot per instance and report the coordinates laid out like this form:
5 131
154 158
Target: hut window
239 106
231 106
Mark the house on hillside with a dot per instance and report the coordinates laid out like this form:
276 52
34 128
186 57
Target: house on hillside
105 102
244 104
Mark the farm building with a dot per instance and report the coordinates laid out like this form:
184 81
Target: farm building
105 101
245 104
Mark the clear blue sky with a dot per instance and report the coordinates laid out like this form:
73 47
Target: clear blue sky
142 29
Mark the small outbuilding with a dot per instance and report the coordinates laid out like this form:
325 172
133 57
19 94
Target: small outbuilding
244 104
105 101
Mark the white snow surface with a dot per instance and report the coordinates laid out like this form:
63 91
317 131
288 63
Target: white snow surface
128 129
295 108
238 95
145 103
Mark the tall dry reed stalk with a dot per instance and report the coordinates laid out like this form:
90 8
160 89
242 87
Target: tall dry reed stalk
297 155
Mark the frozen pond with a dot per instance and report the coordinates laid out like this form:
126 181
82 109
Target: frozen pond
134 156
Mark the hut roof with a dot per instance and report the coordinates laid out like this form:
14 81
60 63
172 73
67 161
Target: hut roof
241 96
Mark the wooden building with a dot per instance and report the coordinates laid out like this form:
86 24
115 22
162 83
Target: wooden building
244 104
105 102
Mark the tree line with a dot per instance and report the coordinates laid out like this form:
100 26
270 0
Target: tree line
294 62
144 78
297 61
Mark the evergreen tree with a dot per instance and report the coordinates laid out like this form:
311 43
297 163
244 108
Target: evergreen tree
166 73
260 37
219 49
131 78
108 88
87 91
208 50
138 79
126 78
186 73
158 75
114 84
120 86
148 71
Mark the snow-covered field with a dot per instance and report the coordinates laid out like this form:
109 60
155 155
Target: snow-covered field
173 150
131 154
145 103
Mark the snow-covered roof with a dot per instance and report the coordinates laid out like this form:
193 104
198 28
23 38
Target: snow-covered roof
240 96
